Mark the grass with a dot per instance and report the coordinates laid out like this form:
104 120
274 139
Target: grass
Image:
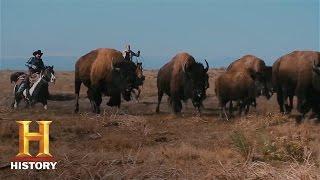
135 143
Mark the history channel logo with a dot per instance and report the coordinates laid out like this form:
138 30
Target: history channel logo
24 160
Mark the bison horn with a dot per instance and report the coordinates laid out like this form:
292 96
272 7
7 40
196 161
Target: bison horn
207 68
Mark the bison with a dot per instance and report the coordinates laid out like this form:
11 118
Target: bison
241 86
256 65
105 71
183 78
297 74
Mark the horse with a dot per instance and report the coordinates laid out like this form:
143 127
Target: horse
138 84
39 90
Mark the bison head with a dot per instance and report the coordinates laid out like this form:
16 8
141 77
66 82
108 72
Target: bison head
124 77
259 83
129 76
196 82
316 76
316 68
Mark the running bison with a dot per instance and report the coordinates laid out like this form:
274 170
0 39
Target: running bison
183 78
105 71
297 73
241 86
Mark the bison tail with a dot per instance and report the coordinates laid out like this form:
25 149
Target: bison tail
77 86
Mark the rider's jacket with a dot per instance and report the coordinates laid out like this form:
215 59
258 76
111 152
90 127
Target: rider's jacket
35 64
128 54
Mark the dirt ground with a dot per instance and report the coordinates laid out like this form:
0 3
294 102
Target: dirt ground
134 142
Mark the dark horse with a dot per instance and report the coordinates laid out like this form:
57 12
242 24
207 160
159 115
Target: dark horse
39 90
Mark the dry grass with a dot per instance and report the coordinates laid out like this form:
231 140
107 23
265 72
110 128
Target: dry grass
134 142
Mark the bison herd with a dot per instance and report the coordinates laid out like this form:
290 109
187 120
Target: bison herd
105 72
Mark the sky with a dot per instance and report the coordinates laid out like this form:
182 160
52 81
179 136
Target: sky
217 30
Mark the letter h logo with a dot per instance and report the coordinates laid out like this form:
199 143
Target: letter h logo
25 136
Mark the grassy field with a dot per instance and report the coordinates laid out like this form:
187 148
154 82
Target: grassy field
135 142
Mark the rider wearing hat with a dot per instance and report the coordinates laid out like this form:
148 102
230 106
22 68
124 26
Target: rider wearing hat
128 54
35 63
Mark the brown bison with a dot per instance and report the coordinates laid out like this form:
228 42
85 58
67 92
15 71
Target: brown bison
297 73
256 65
241 86
104 71
183 78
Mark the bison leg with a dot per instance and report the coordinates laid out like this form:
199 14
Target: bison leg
90 96
247 105
176 104
230 109
254 103
97 98
115 100
223 110
280 99
222 105
77 91
160 94
285 96
241 106
303 106
289 107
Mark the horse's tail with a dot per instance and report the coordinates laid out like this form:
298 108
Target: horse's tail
14 89
14 77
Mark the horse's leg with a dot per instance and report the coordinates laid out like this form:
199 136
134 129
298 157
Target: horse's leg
44 102
27 102
15 103
45 106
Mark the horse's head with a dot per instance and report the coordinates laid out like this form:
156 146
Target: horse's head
48 74
139 73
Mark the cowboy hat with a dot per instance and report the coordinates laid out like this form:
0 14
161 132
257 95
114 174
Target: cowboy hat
37 52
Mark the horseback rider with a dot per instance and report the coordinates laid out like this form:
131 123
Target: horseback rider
35 66
128 54
35 63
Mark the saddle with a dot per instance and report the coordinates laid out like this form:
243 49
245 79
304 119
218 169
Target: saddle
32 78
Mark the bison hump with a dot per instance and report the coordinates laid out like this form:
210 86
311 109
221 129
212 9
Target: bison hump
101 69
